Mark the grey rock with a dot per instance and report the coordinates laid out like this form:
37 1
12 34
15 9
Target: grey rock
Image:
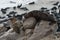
43 30
29 23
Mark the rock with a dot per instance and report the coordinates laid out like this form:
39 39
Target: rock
1 25
12 2
7 8
19 17
56 3
43 30
9 16
10 36
54 8
12 12
2 30
50 37
24 8
16 28
31 3
3 11
14 7
19 6
16 25
28 33
29 23
4 20
6 25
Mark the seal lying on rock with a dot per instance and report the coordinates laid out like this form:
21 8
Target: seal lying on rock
38 15
34 17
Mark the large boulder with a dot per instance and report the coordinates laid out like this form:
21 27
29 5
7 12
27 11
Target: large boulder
29 23
43 30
